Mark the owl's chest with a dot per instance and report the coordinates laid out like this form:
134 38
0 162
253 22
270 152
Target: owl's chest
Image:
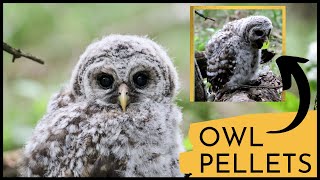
138 139
247 63
140 124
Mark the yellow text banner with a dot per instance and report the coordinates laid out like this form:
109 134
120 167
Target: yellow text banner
241 147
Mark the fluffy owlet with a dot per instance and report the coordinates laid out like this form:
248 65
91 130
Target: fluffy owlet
116 116
234 52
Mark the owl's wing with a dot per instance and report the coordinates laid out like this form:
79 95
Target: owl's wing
56 144
36 150
221 52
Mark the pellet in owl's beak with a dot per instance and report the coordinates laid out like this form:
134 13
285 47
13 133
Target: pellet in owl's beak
123 96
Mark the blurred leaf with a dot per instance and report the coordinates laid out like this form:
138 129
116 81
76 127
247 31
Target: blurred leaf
196 38
8 142
28 88
290 105
266 45
39 107
211 30
187 144
201 47
207 84
24 131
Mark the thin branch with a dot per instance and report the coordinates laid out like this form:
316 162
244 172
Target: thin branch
315 102
205 17
268 87
17 53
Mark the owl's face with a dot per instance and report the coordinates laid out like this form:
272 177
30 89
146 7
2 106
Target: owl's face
123 70
258 29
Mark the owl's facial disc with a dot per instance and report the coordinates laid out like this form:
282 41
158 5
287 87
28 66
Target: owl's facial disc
113 85
139 81
258 36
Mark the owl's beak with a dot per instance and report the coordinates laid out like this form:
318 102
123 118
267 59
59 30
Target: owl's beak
123 96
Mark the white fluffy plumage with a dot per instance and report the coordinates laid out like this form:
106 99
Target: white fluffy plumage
85 132
234 53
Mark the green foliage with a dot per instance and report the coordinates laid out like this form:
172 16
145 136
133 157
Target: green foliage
207 84
291 103
266 45
200 41
187 144
202 37
21 116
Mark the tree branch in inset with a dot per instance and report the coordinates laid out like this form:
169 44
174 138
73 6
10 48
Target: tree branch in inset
205 17
17 53
315 102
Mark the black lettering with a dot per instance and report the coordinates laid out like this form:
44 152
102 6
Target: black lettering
289 160
305 162
202 161
251 138
272 162
207 144
251 166
219 162
234 134
235 165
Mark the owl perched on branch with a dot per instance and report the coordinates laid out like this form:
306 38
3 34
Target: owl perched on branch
234 53
116 116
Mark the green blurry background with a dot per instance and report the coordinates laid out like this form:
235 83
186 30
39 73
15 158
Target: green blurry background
59 33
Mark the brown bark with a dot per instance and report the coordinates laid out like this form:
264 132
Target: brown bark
17 53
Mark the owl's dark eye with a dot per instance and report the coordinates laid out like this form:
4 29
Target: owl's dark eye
140 79
105 80
258 32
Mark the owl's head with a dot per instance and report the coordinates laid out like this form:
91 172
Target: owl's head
256 30
123 70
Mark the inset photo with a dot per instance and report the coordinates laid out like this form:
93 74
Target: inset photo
233 52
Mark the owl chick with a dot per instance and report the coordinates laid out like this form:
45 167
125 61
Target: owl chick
234 52
116 116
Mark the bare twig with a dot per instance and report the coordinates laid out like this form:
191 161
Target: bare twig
268 87
17 53
201 62
205 17
200 93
